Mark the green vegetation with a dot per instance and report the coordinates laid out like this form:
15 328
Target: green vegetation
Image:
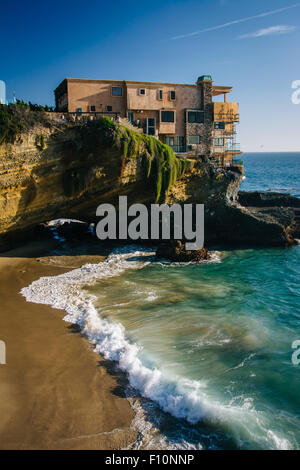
19 117
42 142
158 160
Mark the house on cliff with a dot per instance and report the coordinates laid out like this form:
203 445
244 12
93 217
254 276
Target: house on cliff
181 115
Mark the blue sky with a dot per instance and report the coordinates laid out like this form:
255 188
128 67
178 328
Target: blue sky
252 46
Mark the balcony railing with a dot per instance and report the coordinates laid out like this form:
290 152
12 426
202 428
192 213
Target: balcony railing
178 148
237 162
233 147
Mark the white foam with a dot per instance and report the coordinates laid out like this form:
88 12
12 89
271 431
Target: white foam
180 397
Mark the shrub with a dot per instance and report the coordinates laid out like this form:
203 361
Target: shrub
17 118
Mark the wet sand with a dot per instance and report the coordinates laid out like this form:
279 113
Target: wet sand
55 392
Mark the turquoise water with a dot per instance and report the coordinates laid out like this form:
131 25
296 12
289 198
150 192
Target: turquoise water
221 335
217 337
223 331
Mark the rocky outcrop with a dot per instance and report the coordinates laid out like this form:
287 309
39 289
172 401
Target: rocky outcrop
284 208
77 166
227 221
175 251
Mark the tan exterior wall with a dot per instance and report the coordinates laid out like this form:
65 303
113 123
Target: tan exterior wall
84 94
186 96
226 111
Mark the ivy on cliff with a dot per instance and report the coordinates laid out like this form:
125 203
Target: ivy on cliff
158 160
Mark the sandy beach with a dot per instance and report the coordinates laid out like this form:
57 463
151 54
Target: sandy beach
55 392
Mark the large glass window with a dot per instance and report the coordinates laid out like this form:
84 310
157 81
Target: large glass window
219 125
194 139
219 142
195 117
180 140
116 91
167 116
150 126
170 141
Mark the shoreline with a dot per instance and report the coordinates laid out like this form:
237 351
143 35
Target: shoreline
55 392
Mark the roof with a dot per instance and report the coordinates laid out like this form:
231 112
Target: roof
217 90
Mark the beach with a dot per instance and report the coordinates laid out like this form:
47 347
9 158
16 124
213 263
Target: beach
55 392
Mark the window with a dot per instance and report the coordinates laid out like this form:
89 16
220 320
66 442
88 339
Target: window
170 141
142 91
167 116
93 108
218 142
194 139
116 91
150 126
180 140
219 125
108 108
172 95
195 117
130 116
160 94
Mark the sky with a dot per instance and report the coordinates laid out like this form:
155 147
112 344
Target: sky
250 45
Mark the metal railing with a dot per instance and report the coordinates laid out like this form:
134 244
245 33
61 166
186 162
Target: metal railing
237 162
178 148
233 147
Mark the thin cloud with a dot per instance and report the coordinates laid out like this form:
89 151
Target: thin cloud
280 29
230 23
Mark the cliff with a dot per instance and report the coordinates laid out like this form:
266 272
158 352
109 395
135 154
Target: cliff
66 170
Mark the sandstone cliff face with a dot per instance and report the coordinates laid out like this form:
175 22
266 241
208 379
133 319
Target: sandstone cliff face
61 180
76 170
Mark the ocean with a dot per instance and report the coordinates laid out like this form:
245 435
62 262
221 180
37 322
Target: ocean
207 348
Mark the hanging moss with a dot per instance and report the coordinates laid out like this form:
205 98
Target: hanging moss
42 142
158 160
146 162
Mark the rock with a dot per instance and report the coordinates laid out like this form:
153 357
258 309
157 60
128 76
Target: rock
269 199
174 250
280 207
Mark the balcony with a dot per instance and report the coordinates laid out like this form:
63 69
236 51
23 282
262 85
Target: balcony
233 148
226 112
179 148
237 162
